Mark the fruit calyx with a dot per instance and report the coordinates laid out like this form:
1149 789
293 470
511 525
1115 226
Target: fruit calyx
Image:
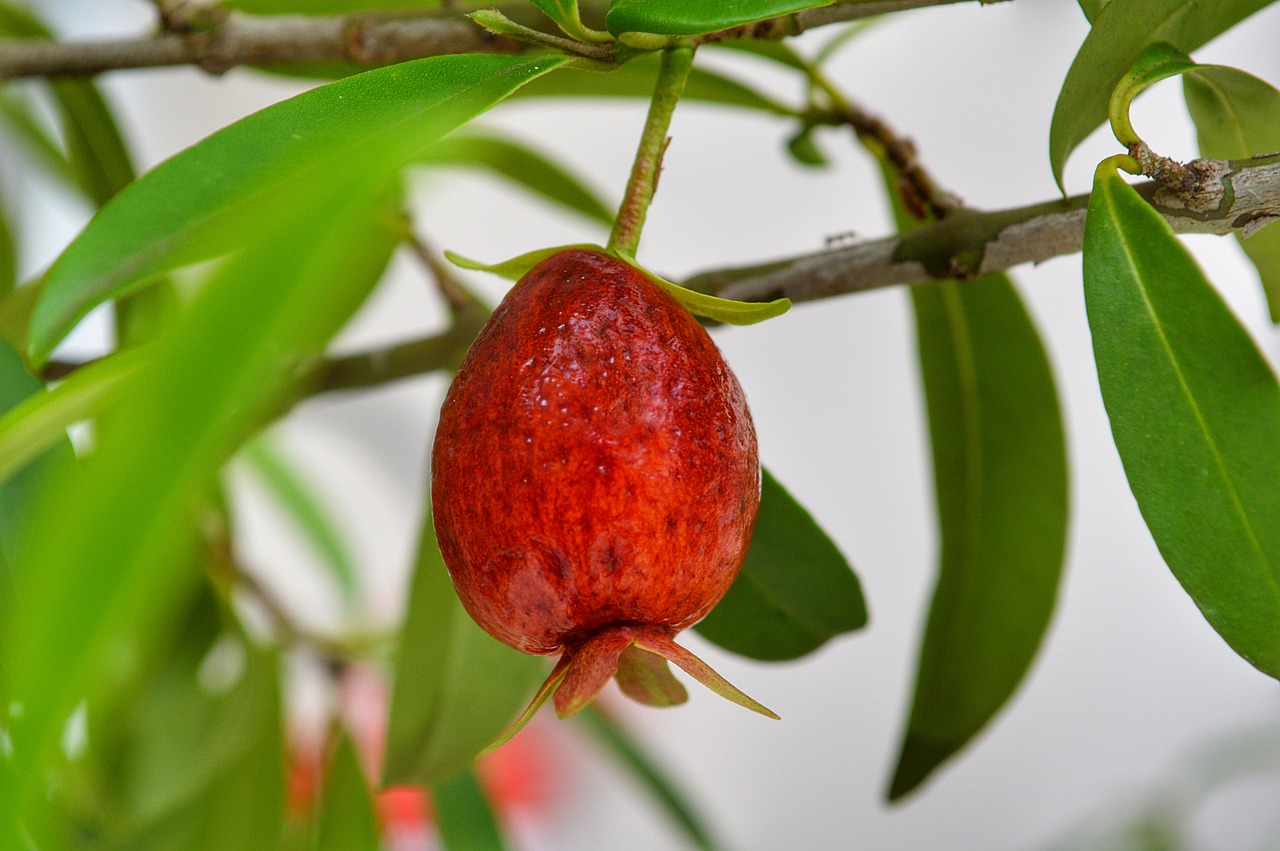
636 655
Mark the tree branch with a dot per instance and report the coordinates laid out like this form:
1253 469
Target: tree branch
1242 195
218 39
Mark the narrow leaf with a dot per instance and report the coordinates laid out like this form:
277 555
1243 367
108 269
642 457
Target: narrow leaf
1000 480
1195 413
465 818
347 821
796 591
8 255
41 421
694 17
205 388
627 751
1236 116
456 687
1121 30
21 121
96 157
1091 8
373 122
25 481
210 771
521 165
1000 473
294 494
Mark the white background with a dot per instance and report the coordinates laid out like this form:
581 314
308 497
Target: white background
1131 688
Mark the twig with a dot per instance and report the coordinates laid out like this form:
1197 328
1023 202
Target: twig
970 243
217 40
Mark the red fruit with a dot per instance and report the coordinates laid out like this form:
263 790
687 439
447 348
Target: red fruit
595 479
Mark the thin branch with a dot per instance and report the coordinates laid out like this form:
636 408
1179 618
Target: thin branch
241 39
217 39
970 243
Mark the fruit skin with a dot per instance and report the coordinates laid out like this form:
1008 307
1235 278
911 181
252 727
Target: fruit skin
595 463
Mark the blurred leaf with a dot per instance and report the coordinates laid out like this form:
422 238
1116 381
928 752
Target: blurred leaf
41 421
208 770
325 7
1121 31
1195 413
1000 472
464 816
456 687
847 33
804 150
774 51
8 255
25 482
693 17
649 774
347 820
23 123
206 386
795 592
96 155
521 165
636 79
1236 116
372 123
294 494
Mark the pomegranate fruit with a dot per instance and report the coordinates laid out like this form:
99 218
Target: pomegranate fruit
595 480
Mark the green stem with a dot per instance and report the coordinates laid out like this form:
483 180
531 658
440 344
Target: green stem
676 63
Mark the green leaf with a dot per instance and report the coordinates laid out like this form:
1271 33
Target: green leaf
804 150
294 494
694 17
327 7
191 207
624 748
21 120
207 770
465 818
636 79
1236 116
8 255
347 821
1195 414
227 363
565 14
1000 472
96 156
521 165
1121 31
795 592
1158 62
1092 8
456 687
26 481
41 421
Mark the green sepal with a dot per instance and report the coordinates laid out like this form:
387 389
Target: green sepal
711 307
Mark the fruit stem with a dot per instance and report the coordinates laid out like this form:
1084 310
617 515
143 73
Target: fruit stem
676 64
